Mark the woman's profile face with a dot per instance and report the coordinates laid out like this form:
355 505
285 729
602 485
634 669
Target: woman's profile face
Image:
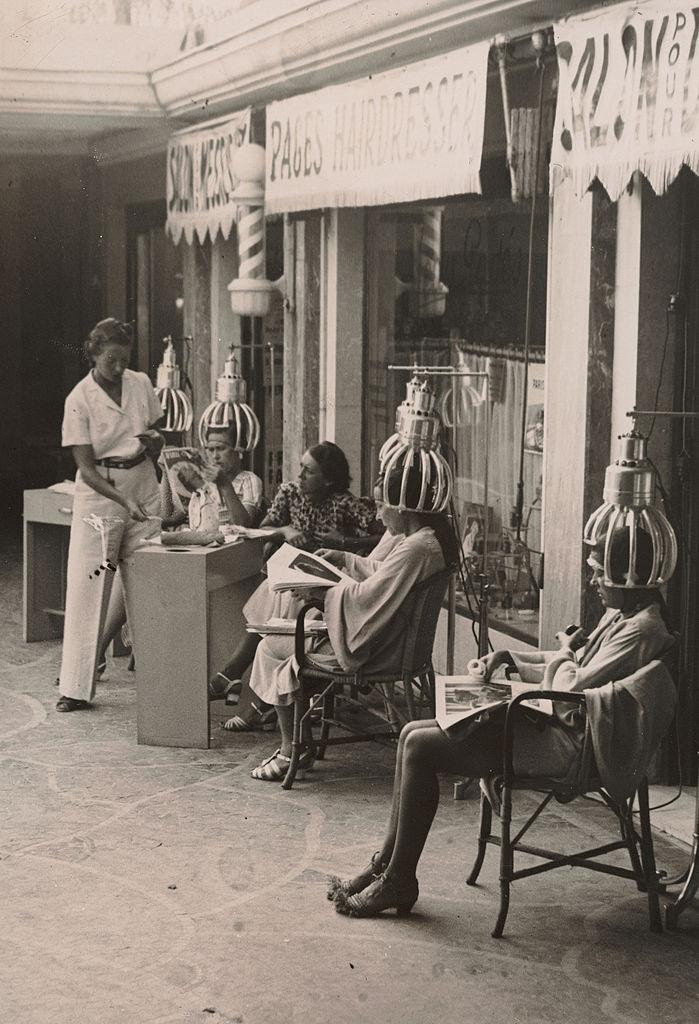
386 514
311 480
111 361
220 454
611 597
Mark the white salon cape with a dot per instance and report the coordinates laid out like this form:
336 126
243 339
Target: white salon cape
366 615
111 536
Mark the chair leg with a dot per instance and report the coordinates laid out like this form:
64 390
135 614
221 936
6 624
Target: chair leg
484 831
648 859
409 697
431 692
328 707
506 861
624 812
300 707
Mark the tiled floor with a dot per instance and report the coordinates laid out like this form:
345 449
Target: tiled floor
163 886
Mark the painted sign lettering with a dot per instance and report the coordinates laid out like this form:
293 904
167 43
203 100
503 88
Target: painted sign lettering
413 133
628 96
200 179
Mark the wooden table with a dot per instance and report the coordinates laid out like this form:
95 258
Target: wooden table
188 606
47 518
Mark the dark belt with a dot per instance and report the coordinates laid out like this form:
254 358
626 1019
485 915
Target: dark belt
122 463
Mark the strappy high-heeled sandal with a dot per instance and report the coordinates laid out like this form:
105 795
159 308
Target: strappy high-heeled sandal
274 768
256 720
383 894
376 867
223 688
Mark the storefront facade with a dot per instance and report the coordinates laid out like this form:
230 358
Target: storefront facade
385 259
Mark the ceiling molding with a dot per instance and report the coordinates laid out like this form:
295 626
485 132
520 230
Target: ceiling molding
338 41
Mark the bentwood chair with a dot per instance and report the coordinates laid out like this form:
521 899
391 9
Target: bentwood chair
497 797
321 690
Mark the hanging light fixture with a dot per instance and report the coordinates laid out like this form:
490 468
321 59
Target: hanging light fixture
415 444
174 402
230 406
629 503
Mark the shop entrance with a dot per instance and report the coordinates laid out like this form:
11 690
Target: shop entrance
155 302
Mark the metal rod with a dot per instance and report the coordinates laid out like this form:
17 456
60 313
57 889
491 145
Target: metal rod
272 413
500 47
653 412
452 371
528 313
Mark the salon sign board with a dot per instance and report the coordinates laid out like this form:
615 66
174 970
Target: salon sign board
412 133
200 179
628 96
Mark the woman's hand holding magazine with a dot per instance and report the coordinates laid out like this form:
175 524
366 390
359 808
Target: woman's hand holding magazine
459 698
292 569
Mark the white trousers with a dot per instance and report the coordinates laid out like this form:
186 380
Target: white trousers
91 553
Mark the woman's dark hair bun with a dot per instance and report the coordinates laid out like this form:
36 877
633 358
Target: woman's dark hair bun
333 464
108 332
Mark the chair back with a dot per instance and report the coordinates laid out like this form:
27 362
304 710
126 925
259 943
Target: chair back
418 639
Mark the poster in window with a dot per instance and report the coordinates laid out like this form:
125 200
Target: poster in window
534 431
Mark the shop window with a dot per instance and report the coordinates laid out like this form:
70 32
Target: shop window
447 285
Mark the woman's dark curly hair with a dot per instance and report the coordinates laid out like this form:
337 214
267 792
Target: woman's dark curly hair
333 464
108 332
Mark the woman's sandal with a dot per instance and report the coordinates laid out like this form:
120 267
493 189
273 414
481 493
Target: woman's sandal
71 704
376 867
382 894
274 768
101 668
221 688
256 720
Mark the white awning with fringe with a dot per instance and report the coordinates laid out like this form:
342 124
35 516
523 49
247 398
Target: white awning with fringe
628 96
412 133
200 179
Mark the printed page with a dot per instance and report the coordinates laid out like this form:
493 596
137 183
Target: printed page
290 568
462 697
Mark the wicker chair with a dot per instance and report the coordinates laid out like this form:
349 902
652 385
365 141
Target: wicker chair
319 689
497 795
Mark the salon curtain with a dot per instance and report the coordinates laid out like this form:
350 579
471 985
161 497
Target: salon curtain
503 447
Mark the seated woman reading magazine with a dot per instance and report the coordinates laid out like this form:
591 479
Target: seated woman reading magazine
630 634
360 611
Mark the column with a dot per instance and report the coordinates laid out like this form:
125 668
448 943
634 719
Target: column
579 359
341 377
197 321
301 339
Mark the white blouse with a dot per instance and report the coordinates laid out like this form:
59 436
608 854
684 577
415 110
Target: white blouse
208 512
92 417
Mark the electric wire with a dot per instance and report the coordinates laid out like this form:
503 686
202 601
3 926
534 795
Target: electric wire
528 314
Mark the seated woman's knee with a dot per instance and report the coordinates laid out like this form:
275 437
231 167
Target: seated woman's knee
419 742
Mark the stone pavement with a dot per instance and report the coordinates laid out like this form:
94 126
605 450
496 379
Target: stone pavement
162 886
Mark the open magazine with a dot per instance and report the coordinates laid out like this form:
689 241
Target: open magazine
287 627
461 697
183 470
292 569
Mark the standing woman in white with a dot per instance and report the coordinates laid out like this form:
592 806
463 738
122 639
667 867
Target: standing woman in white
110 422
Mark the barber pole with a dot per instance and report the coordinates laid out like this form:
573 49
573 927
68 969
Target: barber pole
251 292
432 293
